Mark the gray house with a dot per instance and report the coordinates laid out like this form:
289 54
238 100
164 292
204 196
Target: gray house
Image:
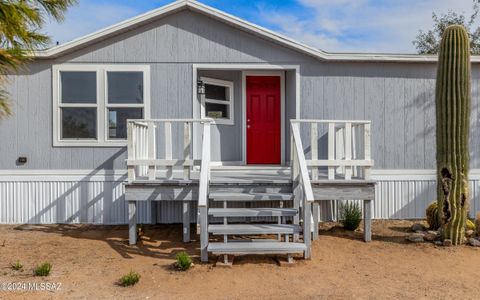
191 101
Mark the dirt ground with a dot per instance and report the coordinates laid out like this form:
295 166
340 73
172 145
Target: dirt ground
88 261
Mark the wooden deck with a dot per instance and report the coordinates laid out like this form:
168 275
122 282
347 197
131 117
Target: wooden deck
291 193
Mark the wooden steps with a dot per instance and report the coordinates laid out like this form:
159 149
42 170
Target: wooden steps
270 191
240 248
252 212
250 196
252 229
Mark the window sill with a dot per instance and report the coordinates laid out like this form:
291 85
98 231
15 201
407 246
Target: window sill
223 122
95 144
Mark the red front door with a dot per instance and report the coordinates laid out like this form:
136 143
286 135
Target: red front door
263 120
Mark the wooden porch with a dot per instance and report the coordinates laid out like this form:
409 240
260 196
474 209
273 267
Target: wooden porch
269 203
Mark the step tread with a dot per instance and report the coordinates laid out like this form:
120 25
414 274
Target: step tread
252 212
250 196
256 248
243 229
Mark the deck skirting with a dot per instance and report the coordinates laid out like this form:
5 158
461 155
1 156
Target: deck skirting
59 196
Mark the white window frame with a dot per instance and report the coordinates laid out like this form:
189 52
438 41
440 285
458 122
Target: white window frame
102 104
230 103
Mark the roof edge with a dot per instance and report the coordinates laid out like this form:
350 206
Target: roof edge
236 22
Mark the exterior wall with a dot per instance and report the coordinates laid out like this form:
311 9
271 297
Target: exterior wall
398 98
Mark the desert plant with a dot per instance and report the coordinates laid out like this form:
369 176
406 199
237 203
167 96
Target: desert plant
351 216
129 279
43 269
453 97
20 34
17 266
184 262
469 225
477 223
432 216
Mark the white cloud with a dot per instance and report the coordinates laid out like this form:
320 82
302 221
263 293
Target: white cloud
87 17
363 25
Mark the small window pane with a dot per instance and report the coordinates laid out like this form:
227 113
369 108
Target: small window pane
216 111
79 123
216 92
117 121
78 87
125 87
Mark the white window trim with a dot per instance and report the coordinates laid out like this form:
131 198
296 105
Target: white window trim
101 105
230 103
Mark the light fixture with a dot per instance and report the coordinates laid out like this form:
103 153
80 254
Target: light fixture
200 87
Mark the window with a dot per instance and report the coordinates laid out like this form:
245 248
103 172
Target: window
92 103
217 102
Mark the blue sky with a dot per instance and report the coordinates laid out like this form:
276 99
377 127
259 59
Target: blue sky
387 26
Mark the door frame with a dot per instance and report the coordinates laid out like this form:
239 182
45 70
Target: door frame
244 67
280 74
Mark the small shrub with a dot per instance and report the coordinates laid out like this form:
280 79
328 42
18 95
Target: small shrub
17 266
184 262
130 279
477 223
469 225
351 216
43 269
432 216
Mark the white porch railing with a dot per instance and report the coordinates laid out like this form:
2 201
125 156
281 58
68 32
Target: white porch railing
347 157
143 147
348 148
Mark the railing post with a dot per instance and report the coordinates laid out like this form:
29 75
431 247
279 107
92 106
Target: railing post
367 150
151 145
186 149
307 235
331 157
314 149
331 149
348 149
168 147
131 140
203 193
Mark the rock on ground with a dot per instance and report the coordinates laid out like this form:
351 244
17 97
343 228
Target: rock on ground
415 237
474 242
418 227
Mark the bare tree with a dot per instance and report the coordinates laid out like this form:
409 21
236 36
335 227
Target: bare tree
428 42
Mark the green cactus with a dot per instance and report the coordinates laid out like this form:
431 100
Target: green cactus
432 216
453 97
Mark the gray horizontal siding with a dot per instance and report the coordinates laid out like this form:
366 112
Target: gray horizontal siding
397 97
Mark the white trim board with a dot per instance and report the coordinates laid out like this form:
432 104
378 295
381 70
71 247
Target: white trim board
280 74
230 101
100 175
234 21
101 105
264 68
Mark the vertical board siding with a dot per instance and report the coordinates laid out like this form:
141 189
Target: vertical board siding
72 202
102 202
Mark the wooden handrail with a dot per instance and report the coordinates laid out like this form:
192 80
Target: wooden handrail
206 120
205 167
302 164
355 122
203 193
302 187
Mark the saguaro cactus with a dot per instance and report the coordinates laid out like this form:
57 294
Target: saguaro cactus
453 97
